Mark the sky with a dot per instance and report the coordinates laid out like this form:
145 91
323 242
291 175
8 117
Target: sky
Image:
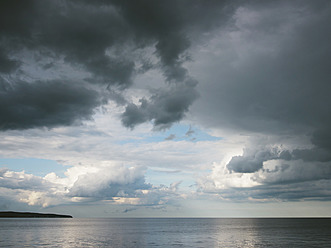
177 108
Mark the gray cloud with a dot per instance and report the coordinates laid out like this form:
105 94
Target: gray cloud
62 29
321 150
287 173
164 107
101 37
253 158
170 23
272 75
266 75
263 68
286 181
322 138
170 137
315 190
7 65
263 100
314 154
51 103
189 132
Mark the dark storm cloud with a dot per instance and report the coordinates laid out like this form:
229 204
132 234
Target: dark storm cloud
273 76
83 33
170 23
101 37
322 138
287 173
272 79
44 104
252 160
321 152
7 65
164 107
79 32
17 17
314 154
249 163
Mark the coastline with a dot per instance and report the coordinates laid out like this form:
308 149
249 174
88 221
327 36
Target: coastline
13 214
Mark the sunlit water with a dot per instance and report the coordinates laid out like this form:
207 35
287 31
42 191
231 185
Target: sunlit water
165 232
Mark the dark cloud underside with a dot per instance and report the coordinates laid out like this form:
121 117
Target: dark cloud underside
164 107
273 79
96 37
27 105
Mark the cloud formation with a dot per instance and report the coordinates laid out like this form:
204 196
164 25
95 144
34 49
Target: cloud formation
266 77
268 69
105 39
116 184
164 107
26 105
255 74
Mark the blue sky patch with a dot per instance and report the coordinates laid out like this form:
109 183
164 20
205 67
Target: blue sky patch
178 132
35 166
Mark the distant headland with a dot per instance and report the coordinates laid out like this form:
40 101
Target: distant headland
12 214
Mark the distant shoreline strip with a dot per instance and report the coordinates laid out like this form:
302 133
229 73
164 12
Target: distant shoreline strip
11 214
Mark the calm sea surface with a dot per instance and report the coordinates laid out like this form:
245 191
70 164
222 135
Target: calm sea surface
165 233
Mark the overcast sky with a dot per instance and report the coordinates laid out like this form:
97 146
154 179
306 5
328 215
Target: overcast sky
166 108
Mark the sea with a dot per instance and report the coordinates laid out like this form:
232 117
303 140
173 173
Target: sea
166 232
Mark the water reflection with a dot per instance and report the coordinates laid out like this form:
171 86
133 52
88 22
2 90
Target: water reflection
231 232
165 233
